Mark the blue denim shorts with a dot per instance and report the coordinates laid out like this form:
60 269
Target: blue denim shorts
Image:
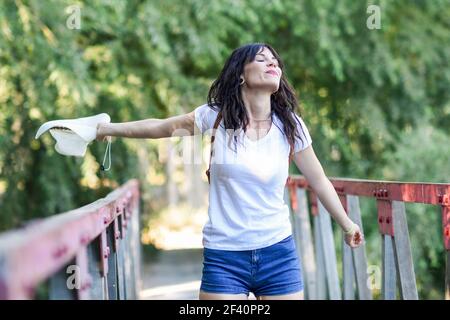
273 270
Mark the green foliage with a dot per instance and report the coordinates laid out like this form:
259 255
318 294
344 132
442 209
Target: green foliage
376 101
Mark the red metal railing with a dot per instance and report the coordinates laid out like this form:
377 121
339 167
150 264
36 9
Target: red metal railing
321 272
92 252
101 242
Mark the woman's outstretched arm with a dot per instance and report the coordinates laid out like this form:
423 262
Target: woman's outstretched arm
176 126
311 168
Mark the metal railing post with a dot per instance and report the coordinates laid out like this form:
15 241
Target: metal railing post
359 254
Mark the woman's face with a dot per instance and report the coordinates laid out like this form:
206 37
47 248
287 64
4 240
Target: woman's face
263 72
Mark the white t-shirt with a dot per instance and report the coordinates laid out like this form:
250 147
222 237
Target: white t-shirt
246 196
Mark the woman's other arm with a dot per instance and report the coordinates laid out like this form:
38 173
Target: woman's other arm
311 168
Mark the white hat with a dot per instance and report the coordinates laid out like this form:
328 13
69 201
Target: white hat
73 135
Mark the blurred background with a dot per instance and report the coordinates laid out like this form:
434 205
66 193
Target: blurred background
376 102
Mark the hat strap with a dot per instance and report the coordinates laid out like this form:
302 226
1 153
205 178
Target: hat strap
108 150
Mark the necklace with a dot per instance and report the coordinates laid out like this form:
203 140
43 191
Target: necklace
261 119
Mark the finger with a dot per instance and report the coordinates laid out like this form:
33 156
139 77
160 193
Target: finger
362 238
359 235
361 241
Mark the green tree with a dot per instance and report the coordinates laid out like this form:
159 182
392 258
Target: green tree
367 96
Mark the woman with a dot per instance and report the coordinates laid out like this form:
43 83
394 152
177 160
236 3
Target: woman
248 245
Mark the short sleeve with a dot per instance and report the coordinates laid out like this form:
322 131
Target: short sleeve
306 140
205 117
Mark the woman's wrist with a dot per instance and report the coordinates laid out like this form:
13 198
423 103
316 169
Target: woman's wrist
101 132
349 228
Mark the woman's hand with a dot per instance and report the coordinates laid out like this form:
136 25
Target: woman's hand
354 237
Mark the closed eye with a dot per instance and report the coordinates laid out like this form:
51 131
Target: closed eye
275 62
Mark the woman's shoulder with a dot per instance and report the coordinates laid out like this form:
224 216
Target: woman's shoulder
208 108
298 120
303 132
205 116
302 138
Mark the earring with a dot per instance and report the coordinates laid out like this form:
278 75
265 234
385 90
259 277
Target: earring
241 82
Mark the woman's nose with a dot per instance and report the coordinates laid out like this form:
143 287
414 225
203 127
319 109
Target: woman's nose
270 64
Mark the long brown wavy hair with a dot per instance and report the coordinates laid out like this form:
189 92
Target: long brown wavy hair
225 94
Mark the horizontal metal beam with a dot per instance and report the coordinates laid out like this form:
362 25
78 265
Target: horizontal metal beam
429 193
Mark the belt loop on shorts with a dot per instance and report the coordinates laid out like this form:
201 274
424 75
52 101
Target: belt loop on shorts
253 263
255 256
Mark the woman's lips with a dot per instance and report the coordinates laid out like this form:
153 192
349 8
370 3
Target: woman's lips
272 72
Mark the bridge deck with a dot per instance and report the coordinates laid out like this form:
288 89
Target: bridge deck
173 275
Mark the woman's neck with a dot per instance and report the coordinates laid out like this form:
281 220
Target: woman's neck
257 105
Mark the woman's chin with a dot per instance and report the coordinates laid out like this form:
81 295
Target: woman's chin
271 87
